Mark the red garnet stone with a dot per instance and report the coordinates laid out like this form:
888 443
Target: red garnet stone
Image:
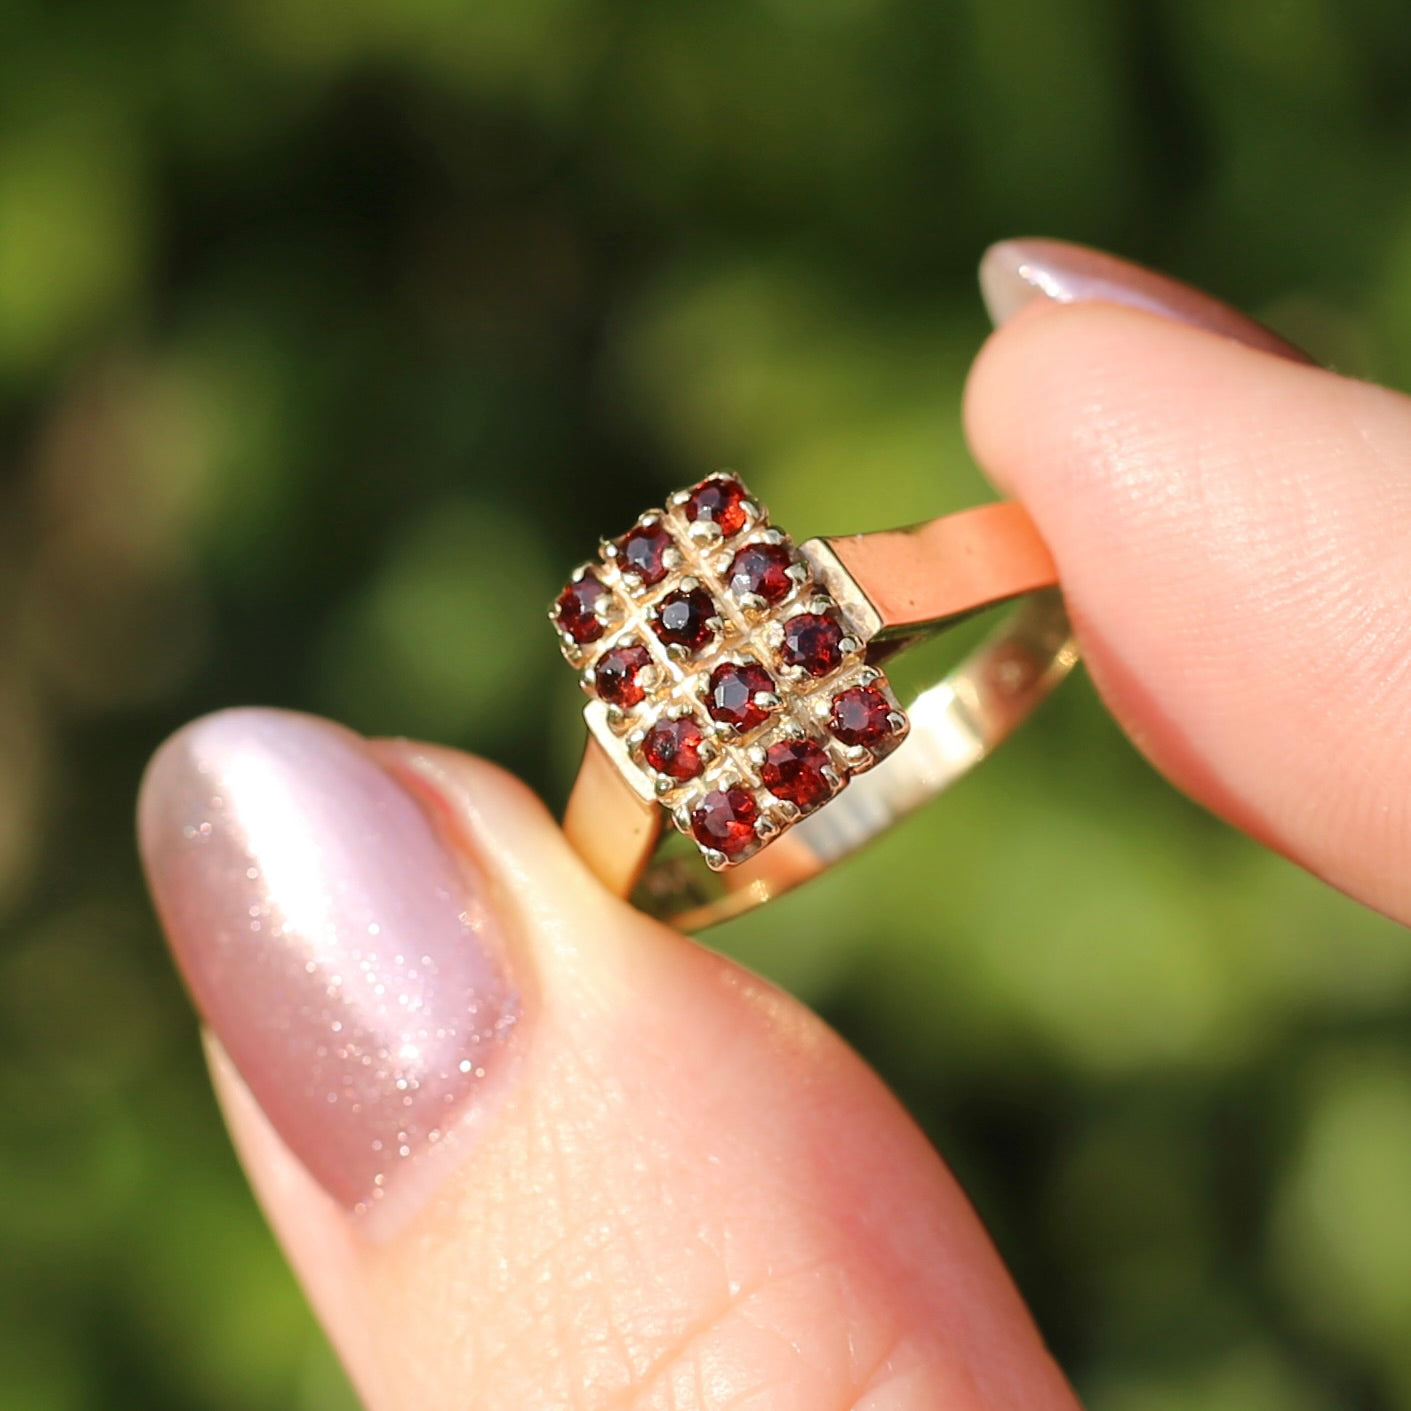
683 619
725 821
730 697
762 569
812 643
861 716
576 609
673 748
721 501
643 552
619 673
793 770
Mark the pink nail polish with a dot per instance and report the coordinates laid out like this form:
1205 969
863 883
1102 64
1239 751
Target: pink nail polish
350 965
1016 273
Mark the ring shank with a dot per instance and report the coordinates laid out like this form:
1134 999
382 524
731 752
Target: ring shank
895 586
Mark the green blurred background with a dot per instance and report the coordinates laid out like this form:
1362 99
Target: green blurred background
304 305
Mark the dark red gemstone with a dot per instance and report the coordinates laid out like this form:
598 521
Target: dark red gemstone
861 716
643 552
719 500
793 770
730 697
619 675
812 642
762 569
576 609
683 619
673 748
725 821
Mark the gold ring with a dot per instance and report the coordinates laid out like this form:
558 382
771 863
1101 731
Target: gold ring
737 689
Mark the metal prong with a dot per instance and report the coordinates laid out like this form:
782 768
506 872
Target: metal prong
663 785
705 532
752 602
833 778
757 755
797 572
766 700
897 721
714 859
849 645
789 812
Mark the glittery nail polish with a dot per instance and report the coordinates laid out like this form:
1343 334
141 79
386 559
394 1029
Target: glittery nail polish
349 962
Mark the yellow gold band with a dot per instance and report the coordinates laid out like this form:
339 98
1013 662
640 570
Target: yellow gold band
890 588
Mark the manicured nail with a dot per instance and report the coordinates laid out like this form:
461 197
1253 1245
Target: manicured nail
350 964
1016 273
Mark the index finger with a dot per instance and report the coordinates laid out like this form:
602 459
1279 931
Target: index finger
1232 532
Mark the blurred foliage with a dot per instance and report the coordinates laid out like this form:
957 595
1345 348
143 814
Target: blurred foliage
301 303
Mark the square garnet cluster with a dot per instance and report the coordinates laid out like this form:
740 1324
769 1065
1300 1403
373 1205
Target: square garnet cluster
725 684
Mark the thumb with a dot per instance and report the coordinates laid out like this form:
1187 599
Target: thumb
526 1148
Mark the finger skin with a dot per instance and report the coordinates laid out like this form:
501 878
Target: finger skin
691 1194
1233 532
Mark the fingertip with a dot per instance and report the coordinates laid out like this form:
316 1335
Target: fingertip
685 1181
494 814
355 968
1230 532
1085 405
1016 274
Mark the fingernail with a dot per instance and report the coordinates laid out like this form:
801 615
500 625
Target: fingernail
1017 273
349 964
